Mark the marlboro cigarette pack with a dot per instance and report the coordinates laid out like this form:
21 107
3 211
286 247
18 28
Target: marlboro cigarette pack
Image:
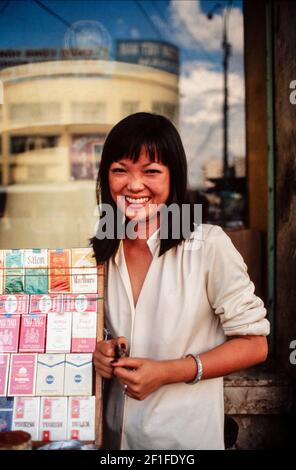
26 415
81 418
59 327
78 374
6 410
59 270
4 370
1 270
14 273
36 271
22 375
9 332
53 419
46 303
32 333
50 374
12 304
83 271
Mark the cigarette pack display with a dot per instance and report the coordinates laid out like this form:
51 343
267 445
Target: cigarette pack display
80 303
78 374
36 271
53 419
59 270
14 304
1 270
6 410
59 327
84 283
33 333
50 374
22 375
84 329
83 259
46 303
4 370
26 415
81 418
9 332
14 271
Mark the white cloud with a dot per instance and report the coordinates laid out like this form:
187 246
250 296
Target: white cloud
201 85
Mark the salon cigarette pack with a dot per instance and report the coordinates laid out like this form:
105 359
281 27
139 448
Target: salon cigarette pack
4 370
22 374
59 270
36 271
9 332
53 419
32 333
14 272
50 303
1 270
78 375
12 304
50 374
59 327
26 415
6 411
81 418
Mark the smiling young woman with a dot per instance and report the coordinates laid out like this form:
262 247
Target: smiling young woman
183 307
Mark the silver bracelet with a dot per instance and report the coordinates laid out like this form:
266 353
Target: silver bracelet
198 362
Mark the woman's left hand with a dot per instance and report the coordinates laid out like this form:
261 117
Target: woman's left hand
141 376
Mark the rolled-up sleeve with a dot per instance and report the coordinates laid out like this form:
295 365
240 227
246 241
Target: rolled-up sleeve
230 290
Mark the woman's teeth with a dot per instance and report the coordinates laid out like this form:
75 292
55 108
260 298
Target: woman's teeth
140 200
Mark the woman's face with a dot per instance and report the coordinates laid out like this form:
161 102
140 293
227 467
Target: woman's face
139 188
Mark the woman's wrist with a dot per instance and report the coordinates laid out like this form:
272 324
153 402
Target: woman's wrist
179 370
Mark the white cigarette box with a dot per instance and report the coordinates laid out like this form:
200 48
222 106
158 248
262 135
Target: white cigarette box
84 283
26 415
84 327
50 374
78 375
4 370
59 326
83 271
53 419
81 418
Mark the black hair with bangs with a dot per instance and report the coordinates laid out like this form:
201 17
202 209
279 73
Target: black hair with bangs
126 139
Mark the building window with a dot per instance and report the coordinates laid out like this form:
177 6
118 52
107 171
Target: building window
26 143
34 112
86 153
168 110
129 107
88 112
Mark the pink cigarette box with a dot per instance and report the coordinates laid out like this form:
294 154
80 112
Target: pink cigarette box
80 302
46 303
12 304
33 333
9 332
4 369
22 375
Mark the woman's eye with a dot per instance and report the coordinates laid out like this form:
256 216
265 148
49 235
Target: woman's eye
152 171
118 170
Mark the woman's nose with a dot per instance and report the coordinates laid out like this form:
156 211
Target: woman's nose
135 183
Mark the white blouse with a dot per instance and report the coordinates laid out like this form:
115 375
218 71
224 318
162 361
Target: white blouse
193 296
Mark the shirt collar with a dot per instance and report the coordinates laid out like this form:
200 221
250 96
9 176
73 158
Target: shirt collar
153 243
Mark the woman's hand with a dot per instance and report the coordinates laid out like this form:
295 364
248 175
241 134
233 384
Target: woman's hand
140 376
105 354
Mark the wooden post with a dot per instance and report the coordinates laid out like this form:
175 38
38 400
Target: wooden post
98 379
